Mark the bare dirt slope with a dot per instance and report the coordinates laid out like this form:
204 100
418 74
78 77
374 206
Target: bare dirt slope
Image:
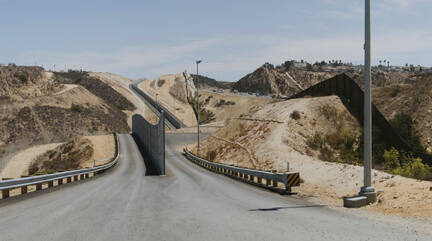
227 106
39 107
121 85
273 136
172 92
103 148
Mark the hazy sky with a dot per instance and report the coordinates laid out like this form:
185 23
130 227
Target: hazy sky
152 38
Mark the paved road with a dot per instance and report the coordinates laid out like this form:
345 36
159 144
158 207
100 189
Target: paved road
189 203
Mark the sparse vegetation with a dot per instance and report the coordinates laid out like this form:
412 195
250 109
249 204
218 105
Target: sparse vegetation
295 115
77 108
223 102
160 82
316 141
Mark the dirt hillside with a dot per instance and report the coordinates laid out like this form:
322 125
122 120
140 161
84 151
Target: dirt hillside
62 105
280 81
281 132
173 91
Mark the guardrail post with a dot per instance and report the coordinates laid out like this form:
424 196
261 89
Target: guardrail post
51 184
38 186
69 179
251 178
86 175
81 176
60 181
75 178
268 182
5 193
275 183
24 190
259 180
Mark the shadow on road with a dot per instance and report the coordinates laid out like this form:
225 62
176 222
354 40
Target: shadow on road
278 208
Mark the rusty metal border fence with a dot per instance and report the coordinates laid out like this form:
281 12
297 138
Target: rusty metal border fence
352 97
151 142
259 178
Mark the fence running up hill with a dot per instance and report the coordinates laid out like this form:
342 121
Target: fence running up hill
150 140
168 115
352 97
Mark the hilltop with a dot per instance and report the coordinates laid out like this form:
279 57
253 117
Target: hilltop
205 82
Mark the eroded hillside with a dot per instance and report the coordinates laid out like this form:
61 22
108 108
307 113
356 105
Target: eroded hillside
62 106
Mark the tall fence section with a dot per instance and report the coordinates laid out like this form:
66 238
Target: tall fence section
151 142
171 118
352 97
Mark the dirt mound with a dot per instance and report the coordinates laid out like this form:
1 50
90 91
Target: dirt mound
21 82
280 81
65 157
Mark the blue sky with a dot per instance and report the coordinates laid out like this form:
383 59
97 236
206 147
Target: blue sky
152 38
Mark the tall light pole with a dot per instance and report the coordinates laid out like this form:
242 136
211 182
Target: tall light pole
198 110
367 189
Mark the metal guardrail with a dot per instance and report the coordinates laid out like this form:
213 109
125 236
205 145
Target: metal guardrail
254 177
23 183
170 117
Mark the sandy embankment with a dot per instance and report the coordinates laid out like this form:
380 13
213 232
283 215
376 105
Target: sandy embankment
19 163
160 89
274 143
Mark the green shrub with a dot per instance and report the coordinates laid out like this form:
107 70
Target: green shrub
415 169
391 159
405 126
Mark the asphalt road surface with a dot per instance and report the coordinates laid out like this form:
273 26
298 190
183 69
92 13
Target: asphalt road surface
190 203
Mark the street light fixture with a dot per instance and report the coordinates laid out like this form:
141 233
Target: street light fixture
367 190
198 110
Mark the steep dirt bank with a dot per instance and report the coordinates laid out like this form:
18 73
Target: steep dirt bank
103 148
274 136
172 92
63 105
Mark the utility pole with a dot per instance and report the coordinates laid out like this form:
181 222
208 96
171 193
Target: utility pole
367 190
198 110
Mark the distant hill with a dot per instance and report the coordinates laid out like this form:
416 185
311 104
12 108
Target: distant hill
269 80
201 81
